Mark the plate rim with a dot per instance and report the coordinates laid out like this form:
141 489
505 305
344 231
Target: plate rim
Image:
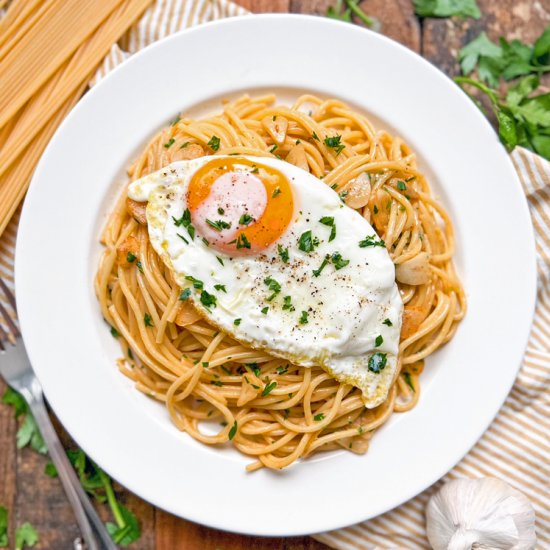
24 223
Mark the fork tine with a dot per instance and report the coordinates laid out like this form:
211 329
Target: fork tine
3 338
8 293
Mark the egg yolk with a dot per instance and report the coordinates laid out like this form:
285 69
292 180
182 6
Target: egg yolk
239 206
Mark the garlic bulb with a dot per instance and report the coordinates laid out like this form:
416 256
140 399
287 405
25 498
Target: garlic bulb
480 513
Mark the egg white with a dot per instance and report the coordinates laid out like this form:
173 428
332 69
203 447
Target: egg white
346 307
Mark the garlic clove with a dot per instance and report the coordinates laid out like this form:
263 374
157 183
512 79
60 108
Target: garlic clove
480 513
358 191
415 271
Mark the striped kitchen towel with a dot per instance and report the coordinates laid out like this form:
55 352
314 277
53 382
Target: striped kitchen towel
516 448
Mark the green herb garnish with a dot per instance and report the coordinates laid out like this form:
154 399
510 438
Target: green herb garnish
276 192
317 272
265 310
387 322
147 319
334 143
377 362
268 388
274 286
233 430
319 417
184 294
287 303
283 253
245 219
242 241
379 340
446 8
307 242
196 282
169 143
207 299
219 224
371 240
304 318
220 288
214 143
338 261
237 322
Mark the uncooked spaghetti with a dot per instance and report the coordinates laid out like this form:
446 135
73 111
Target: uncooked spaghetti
310 411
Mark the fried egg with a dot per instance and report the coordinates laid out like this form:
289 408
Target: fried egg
271 255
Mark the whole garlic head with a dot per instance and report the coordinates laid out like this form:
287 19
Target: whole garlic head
480 513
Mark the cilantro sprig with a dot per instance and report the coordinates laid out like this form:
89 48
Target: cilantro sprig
343 10
446 8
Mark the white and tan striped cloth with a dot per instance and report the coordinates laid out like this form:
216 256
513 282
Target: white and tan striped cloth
516 448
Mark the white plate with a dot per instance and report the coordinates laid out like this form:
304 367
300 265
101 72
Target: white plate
75 186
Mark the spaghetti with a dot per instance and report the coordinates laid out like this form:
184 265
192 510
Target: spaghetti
198 372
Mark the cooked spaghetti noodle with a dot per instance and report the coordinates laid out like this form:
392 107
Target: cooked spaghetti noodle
308 411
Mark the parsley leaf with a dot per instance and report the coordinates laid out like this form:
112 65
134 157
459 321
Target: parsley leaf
268 388
237 322
319 417
50 470
276 192
351 6
130 257
274 286
307 242
184 294
169 143
387 322
220 288
147 319
219 224
334 143
304 318
408 380
196 282
379 340
25 535
287 304
283 253
127 531
233 430
214 143
338 261
265 310
446 8
246 219
377 362
207 299
371 240
317 272
242 241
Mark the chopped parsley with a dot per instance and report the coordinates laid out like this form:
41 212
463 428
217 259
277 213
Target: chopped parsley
196 282
377 362
283 253
205 364
182 238
219 224
175 121
343 195
184 294
307 242
375 209
327 220
276 192
265 310
371 240
242 241
221 211
334 143
140 267
114 332
237 322
207 299
401 185
317 272
246 219
282 370
25 536
287 305
379 340
218 383
338 261
387 322
274 148
304 318
169 143
130 257
319 417
219 260
408 380
220 288
205 241
268 388
185 221
185 145
315 136
233 430
274 286
148 320
214 143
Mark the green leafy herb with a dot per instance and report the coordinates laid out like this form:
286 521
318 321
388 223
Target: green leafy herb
233 430
387 322
375 209
169 143
315 136
221 211
245 219
317 272
148 320
274 286
214 143
28 432
219 260
175 121
377 362
127 528
379 340
408 380
338 261
327 220
343 10
334 143
207 299
237 322
276 192
446 8
25 536
205 364
216 383
50 470
274 148
287 304
130 257
3 527
196 282
265 310
182 238
307 241
371 240
283 253
304 318
319 417
242 241
140 267
184 294
114 332
268 388
219 224
220 288
282 370
401 185
185 221
184 145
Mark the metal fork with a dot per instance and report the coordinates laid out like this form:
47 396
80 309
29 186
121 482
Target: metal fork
16 369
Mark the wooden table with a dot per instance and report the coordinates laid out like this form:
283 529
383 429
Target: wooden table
32 496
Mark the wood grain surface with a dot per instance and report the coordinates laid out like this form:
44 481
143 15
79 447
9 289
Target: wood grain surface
32 496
